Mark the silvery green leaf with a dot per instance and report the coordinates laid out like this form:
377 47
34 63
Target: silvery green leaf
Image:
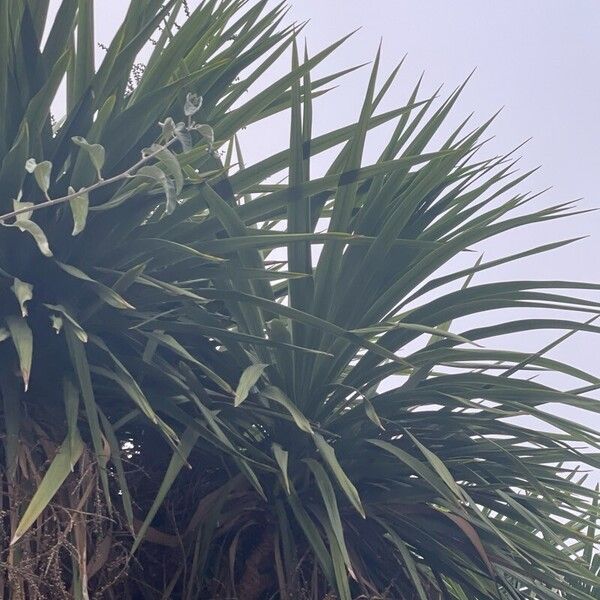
57 323
151 172
156 173
170 163
4 334
59 308
193 102
79 208
277 329
168 128
36 232
41 172
171 195
24 216
96 152
24 292
207 132
118 199
184 137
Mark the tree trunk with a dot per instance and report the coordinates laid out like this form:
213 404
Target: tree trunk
258 573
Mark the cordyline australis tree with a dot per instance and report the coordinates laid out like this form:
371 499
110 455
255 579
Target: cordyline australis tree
192 404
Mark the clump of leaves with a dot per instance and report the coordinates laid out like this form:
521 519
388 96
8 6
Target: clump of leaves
244 420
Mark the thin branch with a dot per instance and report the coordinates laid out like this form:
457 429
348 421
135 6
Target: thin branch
129 173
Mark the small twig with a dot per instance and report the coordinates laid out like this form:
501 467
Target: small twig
99 184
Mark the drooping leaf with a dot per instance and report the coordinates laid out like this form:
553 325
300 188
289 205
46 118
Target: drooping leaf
275 394
331 505
177 462
81 367
247 381
409 562
170 164
22 338
24 293
206 131
107 294
328 454
79 209
36 233
57 324
158 175
59 469
96 152
41 171
193 103
24 214
281 456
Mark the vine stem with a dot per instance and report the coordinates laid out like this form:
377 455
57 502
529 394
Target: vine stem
99 184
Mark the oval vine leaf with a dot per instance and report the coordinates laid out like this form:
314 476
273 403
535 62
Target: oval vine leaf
151 172
278 330
26 215
192 105
158 175
41 171
69 453
57 323
59 308
24 292
170 163
183 137
79 208
247 381
23 341
96 152
36 232
170 194
207 132
168 128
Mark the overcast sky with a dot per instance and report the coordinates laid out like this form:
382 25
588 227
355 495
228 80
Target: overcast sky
539 59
